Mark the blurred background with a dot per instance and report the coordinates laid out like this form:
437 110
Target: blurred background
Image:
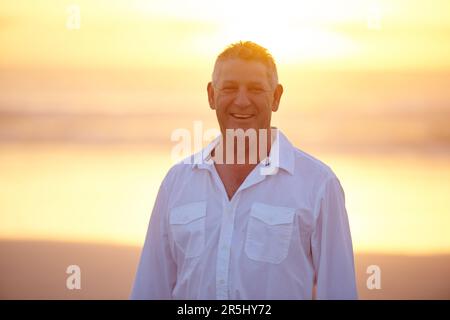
91 90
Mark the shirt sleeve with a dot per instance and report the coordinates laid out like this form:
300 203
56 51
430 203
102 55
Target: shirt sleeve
156 273
331 245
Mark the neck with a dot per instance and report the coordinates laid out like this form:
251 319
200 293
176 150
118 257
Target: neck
241 148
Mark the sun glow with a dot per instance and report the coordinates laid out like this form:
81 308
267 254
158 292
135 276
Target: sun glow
136 70
294 31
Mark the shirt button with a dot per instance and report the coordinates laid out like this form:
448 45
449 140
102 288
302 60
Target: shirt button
221 281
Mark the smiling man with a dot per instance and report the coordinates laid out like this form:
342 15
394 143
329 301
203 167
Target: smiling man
268 223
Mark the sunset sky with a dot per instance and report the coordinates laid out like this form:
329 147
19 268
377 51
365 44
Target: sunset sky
366 79
369 34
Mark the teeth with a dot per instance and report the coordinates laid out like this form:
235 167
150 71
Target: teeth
241 116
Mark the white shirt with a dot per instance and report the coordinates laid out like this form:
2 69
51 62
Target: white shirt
282 232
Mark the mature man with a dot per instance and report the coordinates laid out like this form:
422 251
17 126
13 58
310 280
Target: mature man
236 225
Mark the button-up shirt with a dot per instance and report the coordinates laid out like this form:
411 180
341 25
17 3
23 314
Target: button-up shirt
283 235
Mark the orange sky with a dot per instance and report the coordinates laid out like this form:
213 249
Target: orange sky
321 34
172 46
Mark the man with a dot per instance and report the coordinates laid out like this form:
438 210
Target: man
272 226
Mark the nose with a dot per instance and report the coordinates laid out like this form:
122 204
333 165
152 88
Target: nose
242 99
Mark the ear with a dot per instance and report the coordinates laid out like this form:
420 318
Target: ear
210 90
278 92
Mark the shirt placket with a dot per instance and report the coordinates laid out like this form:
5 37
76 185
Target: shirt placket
226 233
224 249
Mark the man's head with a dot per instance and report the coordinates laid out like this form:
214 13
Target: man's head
244 90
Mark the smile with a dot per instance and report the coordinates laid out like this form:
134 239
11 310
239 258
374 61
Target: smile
241 116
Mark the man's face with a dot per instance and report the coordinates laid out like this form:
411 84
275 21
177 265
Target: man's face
242 95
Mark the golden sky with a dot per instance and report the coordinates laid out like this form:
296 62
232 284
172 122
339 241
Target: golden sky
168 46
347 34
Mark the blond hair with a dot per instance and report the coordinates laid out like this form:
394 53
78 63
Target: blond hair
250 51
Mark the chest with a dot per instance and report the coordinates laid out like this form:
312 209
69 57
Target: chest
232 178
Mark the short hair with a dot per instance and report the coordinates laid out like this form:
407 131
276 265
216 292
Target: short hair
249 51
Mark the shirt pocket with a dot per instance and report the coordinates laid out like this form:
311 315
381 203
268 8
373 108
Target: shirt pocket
187 223
269 233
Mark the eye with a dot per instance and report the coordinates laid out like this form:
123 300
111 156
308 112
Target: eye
256 89
229 89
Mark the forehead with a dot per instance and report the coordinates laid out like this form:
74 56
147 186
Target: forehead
242 71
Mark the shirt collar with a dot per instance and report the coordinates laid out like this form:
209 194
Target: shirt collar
281 154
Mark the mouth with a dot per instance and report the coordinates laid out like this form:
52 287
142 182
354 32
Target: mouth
241 116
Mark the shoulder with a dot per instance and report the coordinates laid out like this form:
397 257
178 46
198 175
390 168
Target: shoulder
311 168
179 173
317 177
322 182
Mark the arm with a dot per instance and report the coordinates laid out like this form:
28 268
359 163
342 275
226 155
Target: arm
331 245
156 274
